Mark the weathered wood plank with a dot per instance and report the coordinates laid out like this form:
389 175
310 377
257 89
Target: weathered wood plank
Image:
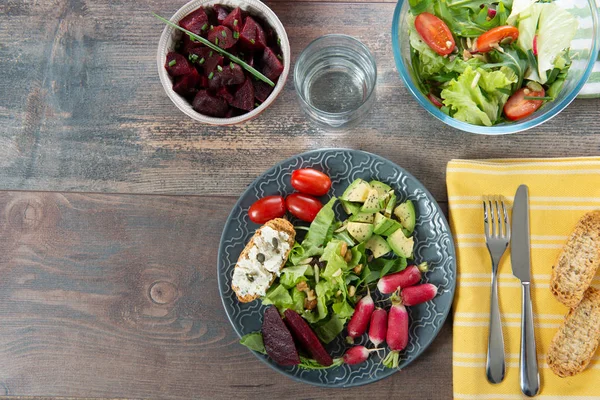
87 112
116 296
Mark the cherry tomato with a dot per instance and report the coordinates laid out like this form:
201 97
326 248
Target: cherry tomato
494 36
311 181
266 209
303 206
435 33
517 107
435 100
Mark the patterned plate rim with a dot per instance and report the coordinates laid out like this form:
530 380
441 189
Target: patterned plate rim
452 250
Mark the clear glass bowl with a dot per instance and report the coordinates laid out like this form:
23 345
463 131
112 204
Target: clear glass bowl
585 45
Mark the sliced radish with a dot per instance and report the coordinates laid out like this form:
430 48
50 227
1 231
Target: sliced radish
491 12
390 283
414 295
378 326
535 50
357 355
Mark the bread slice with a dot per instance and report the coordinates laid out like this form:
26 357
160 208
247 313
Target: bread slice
576 266
278 224
576 341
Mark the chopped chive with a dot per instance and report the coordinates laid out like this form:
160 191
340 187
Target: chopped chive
236 35
538 98
280 57
235 22
220 68
212 27
204 27
193 57
279 41
252 41
172 62
201 61
256 105
210 76
216 40
231 64
210 53
223 33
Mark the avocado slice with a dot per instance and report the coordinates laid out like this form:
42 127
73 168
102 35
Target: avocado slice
407 216
385 226
362 217
360 231
371 204
357 191
400 244
389 208
350 208
378 246
381 187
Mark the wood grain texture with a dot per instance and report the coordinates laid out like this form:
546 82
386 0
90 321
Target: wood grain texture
87 111
116 296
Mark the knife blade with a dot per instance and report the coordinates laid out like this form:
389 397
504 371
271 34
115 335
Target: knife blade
529 377
519 245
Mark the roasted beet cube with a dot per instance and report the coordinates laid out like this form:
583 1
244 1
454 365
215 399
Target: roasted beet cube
225 94
194 21
244 96
262 90
186 85
253 35
230 113
231 74
177 64
222 37
213 106
188 44
234 20
221 12
207 59
271 66
203 81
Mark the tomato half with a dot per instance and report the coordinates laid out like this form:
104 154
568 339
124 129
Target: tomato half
311 181
435 33
303 206
517 107
266 209
487 41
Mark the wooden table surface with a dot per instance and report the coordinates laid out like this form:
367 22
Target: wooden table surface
113 201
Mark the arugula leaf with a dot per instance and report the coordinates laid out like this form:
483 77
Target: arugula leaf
254 341
309 363
419 6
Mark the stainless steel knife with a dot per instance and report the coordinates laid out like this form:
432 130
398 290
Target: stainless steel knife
521 266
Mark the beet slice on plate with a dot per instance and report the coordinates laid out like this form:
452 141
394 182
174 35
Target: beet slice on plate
271 66
207 104
253 35
244 96
222 37
262 90
234 20
194 21
278 340
307 338
177 65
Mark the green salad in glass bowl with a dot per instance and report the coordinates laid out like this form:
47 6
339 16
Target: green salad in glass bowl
489 62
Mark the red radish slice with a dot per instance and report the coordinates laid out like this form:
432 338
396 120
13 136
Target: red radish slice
411 275
362 314
491 12
435 100
357 355
414 295
378 326
535 50
307 338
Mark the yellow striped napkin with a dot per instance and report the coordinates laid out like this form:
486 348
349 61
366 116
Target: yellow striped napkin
561 191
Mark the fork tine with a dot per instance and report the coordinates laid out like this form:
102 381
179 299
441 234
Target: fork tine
506 222
486 224
498 200
493 217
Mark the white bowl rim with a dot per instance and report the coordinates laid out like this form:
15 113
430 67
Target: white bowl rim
181 102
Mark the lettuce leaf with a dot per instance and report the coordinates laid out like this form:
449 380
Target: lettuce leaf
279 296
329 330
298 300
477 96
342 309
291 276
320 231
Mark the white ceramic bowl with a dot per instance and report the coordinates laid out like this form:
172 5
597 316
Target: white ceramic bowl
170 36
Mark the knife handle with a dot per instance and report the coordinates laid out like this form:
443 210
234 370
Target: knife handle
529 375
495 366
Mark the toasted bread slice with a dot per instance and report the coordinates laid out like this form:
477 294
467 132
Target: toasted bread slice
576 341
576 266
280 225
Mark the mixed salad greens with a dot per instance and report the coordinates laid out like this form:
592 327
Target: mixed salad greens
487 61
337 260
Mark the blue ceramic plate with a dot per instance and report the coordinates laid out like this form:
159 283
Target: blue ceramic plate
433 243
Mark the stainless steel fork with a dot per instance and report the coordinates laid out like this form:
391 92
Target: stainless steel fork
497 238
